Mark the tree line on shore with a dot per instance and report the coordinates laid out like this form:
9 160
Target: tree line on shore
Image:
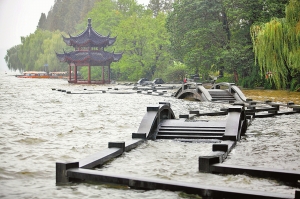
250 43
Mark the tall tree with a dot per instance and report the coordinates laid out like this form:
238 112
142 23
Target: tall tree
144 41
12 59
158 6
239 58
31 48
42 22
198 33
215 34
50 45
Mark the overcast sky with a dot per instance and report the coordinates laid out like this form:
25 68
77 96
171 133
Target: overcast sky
20 18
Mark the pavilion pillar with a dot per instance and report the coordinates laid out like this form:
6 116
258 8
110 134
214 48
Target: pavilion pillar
103 80
109 74
89 75
75 73
70 71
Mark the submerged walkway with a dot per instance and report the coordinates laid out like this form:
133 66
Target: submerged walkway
229 93
159 122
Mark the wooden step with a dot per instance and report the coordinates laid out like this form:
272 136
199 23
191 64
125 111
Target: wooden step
221 96
187 137
202 129
174 123
204 133
223 99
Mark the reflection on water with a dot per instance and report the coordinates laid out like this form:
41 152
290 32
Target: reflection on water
40 127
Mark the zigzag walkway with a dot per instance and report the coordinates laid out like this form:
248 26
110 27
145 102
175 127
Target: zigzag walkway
159 122
153 90
233 95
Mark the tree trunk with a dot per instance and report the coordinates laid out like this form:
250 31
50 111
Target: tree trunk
236 76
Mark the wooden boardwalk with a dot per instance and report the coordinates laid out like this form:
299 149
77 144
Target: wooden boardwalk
159 122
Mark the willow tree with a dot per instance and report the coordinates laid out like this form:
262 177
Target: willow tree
12 59
277 48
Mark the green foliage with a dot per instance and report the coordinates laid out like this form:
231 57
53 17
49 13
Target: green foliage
204 37
240 58
277 47
96 73
198 34
157 6
141 37
212 35
48 56
104 17
175 72
226 78
31 49
145 41
12 58
35 51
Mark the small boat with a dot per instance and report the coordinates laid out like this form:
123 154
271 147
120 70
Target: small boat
34 74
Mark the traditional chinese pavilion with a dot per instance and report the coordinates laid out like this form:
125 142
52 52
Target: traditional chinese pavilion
89 51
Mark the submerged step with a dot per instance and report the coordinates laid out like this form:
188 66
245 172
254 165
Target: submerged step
188 137
190 133
222 99
201 129
173 123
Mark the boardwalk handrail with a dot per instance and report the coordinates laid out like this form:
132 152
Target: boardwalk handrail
234 123
204 93
155 114
237 93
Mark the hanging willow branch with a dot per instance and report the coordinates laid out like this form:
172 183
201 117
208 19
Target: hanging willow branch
277 46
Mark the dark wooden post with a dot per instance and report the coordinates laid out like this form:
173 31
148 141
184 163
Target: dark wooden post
89 77
75 74
61 171
103 80
109 74
70 71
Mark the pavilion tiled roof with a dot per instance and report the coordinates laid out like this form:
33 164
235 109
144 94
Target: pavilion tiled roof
89 38
94 58
89 56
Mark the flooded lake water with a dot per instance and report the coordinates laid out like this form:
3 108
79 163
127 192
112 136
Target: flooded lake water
40 126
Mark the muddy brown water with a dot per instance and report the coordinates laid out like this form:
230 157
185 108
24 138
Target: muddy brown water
282 96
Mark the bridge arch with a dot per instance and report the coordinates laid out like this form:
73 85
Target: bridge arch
154 116
197 91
